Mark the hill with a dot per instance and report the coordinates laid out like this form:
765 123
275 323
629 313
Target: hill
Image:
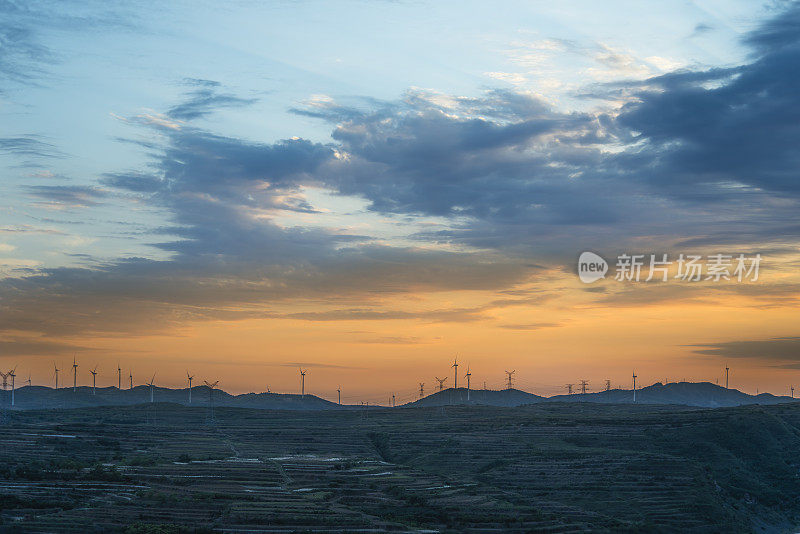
483 397
38 397
701 394
704 394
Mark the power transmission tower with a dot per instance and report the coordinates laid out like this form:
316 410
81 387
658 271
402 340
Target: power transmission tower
441 382
509 383
211 386
608 385
569 388
421 389
584 383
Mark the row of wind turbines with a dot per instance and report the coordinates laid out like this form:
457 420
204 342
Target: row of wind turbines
12 375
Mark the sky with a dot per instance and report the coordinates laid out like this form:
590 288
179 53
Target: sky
372 189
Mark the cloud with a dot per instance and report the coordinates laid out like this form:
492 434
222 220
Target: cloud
28 145
780 349
516 186
720 132
529 326
66 196
204 99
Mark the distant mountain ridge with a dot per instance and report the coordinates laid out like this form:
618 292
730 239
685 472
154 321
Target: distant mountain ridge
40 397
701 394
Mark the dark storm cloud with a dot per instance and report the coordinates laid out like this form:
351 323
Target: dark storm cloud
714 134
781 348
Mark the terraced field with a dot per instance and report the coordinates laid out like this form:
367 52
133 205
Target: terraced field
543 468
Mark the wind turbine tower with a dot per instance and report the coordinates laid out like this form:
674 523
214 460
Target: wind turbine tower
189 378
119 377
726 376
467 377
510 374
393 401
29 380
55 372
634 386
130 375
303 382
74 375
441 382
94 378
792 388
455 366
151 388
339 392
13 376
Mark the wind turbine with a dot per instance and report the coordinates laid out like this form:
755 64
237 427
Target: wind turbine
510 379
393 400
13 376
55 372
441 382
726 376
94 379
189 378
119 377
339 391
634 386
302 382
455 373
151 388
790 387
74 375
130 375
467 377
29 380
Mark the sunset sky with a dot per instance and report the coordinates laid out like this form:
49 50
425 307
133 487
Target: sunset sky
368 189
